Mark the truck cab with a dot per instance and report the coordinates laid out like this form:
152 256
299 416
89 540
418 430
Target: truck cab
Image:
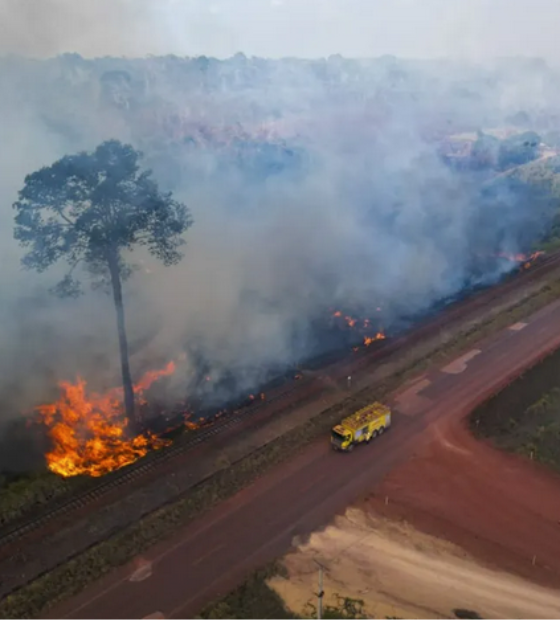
341 438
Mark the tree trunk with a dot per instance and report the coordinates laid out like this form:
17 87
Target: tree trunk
123 344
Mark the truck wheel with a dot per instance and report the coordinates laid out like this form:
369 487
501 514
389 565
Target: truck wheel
375 433
350 447
381 430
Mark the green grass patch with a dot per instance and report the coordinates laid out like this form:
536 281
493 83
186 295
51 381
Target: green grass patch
32 491
66 580
525 417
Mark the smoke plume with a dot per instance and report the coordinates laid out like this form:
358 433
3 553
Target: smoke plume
315 185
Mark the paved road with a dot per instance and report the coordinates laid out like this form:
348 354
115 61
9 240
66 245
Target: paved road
212 554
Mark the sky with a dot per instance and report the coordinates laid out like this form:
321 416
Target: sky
475 29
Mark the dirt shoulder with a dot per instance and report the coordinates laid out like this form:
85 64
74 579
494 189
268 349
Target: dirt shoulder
503 508
400 572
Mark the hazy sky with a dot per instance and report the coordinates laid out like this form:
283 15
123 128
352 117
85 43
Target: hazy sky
273 28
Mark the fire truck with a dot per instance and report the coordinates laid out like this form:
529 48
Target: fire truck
362 426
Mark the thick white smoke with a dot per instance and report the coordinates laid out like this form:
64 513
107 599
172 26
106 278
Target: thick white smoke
475 29
314 184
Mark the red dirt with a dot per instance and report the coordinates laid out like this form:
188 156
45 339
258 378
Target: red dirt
503 509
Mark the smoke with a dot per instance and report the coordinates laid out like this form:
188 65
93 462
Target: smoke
278 28
315 185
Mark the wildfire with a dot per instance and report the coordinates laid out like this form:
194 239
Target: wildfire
371 339
525 259
88 431
351 321
361 324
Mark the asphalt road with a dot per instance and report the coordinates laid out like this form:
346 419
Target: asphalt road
215 552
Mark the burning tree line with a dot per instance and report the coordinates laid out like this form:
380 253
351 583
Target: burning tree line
88 210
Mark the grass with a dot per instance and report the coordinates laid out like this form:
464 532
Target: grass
66 580
32 491
524 418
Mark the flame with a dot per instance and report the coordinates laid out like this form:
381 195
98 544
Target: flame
88 431
371 339
526 259
193 425
353 322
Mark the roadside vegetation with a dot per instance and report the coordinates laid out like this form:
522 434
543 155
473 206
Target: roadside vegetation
18 496
524 418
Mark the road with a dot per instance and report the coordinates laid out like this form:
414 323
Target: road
215 552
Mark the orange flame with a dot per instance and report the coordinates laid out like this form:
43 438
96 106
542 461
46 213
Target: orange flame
353 322
526 259
88 431
371 339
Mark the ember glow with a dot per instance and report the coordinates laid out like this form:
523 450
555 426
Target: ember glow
362 325
371 339
88 430
351 321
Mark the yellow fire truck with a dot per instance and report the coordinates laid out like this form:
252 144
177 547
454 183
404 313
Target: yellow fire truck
363 425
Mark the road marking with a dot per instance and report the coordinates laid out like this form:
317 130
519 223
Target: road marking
409 402
142 572
516 327
460 364
207 554
156 614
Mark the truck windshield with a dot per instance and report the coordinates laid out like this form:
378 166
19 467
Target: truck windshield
337 436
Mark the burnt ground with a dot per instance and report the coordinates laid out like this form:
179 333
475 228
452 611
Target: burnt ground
524 418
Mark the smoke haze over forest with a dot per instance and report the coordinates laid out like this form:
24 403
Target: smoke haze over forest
475 29
314 184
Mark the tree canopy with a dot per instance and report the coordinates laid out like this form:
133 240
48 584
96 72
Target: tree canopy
88 209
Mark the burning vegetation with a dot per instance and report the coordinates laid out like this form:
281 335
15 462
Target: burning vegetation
89 430
523 260
362 324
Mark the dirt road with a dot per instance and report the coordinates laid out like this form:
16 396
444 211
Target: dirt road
502 508
400 572
211 555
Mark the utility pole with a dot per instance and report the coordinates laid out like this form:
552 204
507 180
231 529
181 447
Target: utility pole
321 593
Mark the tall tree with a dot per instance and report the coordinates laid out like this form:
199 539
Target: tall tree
87 209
